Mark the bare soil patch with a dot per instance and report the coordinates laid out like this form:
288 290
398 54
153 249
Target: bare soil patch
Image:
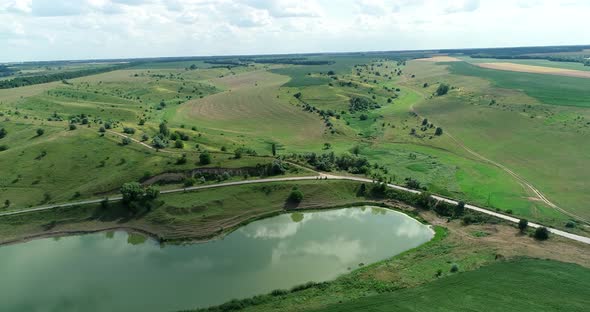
536 69
440 58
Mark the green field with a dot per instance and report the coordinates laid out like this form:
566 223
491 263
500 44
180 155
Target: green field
548 89
522 285
535 126
181 216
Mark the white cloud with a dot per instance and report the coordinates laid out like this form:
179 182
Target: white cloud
58 29
463 6
377 7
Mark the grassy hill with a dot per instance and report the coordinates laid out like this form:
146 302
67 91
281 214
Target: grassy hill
522 285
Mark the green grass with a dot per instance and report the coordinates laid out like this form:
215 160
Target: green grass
254 113
300 76
549 89
191 215
545 144
249 106
523 285
53 167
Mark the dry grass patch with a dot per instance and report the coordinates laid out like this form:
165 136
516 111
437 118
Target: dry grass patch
440 58
536 69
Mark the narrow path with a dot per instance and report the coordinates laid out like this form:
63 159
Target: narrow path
138 141
520 179
524 182
321 176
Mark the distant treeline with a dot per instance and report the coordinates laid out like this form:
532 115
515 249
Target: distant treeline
291 61
530 53
283 60
495 52
5 71
225 62
32 80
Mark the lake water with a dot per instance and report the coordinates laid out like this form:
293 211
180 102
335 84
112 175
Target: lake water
122 272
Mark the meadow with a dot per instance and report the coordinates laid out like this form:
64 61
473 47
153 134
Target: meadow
301 109
166 122
536 283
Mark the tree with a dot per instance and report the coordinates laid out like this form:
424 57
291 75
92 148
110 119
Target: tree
6 203
295 197
297 95
73 127
425 85
459 209
3 133
238 153
40 132
541 233
274 149
151 193
522 225
363 117
362 191
276 167
144 137
102 130
158 142
438 131
425 201
164 129
131 191
178 144
125 141
424 121
104 204
442 89
205 158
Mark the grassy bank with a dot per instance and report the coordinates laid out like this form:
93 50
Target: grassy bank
519 285
193 215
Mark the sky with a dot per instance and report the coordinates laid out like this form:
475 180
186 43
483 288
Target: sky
99 29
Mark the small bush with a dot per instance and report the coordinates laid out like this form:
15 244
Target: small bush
442 89
204 158
541 233
296 196
523 224
126 141
454 268
73 127
40 132
189 182
279 292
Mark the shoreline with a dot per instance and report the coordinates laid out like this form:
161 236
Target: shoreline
398 208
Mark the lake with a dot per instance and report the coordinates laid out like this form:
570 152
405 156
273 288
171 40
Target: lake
117 271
